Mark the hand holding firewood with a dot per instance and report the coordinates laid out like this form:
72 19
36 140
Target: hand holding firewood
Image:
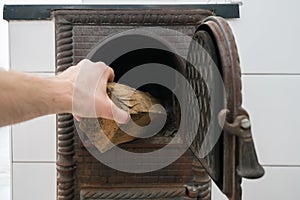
80 90
89 98
143 108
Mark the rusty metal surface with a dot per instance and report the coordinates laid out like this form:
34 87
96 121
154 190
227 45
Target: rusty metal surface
111 193
43 12
125 17
79 173
239 156
232 158
202 80
65 164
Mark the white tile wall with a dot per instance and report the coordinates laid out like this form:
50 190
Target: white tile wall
35 140
5 192
273 103
34 181
32 46
39 133
32 50
278 183
3 41
5 163
268 36
216 194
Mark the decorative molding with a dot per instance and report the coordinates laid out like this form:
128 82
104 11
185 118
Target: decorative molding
43 12
142 17
64 46
202 180
65 124
132 193
65 164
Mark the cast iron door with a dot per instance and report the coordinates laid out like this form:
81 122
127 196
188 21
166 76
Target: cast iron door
223 144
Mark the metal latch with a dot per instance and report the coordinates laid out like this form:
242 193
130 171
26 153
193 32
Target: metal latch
248 166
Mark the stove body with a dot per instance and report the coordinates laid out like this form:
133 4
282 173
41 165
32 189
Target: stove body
80 175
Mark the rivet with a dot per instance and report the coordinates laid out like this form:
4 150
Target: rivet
245 123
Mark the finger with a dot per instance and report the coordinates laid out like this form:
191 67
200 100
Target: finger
109 110
77 117
84 62
119 115
109 74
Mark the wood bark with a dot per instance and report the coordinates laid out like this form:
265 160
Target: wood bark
106 133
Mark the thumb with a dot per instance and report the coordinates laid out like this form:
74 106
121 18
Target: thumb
78 118
119 115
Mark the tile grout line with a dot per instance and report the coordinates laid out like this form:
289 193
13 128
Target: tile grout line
272 74
287 166
33 162
11 162
39 72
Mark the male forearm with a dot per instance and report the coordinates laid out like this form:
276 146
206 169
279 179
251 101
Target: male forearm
24 96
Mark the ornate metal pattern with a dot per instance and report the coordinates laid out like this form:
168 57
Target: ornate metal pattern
132 193
237 151
202 180
232 81
226 163
64 47
65 21
65 152
132 17
65 127
199 73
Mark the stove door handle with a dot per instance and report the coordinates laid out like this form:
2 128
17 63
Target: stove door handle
248 165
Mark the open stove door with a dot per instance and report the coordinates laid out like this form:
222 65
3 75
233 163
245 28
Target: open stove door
224 143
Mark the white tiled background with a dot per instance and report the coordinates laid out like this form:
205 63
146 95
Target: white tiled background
267 35
5 159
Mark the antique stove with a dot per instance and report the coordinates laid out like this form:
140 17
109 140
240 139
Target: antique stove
80 33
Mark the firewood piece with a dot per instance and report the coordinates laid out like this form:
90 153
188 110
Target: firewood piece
136 102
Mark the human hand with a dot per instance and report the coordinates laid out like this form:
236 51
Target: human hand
88 82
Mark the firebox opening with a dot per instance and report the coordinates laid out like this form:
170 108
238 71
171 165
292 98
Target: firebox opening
124 52
152 57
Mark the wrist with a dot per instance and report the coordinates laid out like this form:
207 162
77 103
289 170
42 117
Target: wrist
62 95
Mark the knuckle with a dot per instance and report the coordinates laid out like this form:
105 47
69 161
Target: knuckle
110 70
101 64
84 62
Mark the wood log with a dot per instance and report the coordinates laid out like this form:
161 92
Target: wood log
136 102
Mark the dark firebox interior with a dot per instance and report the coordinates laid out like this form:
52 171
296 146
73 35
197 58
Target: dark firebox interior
142 50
